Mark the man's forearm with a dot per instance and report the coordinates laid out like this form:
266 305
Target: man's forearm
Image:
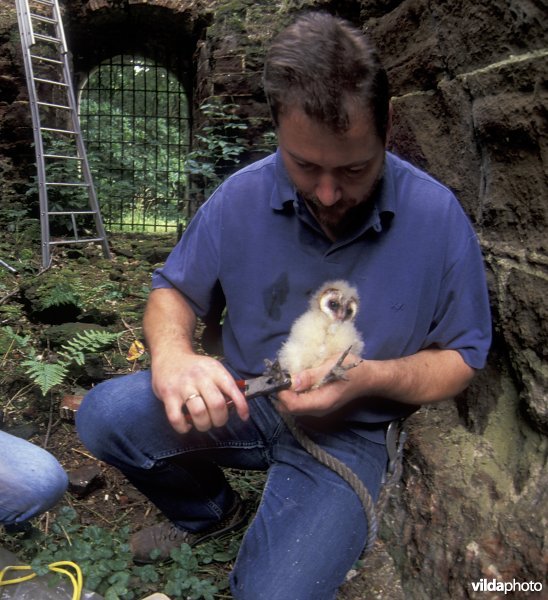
168 323
180 377
423 378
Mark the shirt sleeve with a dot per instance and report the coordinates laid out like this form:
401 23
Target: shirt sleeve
462 321
193 265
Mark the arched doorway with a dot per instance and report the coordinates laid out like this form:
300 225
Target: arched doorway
135 118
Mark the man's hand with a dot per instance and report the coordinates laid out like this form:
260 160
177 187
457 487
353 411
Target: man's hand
202 385
426 377
306 398
180 377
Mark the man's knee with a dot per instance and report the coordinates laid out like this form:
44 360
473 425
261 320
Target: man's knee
113 412
103 411
92 422
300 582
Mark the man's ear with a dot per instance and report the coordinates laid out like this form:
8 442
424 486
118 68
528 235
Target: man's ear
389 124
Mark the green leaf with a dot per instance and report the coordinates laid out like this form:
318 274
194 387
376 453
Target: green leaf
223 556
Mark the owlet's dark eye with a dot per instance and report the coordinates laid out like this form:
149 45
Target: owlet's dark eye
334 305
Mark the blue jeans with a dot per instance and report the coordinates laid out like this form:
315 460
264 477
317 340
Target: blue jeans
310 526
31 480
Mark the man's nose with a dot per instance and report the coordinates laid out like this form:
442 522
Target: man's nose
327 190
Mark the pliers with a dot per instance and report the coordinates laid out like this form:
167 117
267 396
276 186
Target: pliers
268 383
271 381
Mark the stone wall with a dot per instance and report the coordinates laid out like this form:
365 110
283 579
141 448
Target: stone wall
469 83
469 94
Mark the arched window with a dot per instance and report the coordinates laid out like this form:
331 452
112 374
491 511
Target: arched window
135 120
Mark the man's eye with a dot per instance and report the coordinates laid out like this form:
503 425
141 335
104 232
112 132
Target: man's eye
352 171
304 166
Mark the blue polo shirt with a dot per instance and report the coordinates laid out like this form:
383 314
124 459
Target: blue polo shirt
415 261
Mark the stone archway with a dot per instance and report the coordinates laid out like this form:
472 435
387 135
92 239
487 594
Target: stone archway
135 64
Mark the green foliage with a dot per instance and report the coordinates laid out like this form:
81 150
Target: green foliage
219 143
66 287
106 562
20 341
47 375
182 578
85 342
14 214
63 292
134 116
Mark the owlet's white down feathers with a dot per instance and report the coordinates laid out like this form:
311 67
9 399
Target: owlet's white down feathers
326 329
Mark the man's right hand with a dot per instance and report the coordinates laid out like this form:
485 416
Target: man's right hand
201 385
180 377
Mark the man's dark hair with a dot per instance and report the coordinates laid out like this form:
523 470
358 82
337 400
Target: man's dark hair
324 66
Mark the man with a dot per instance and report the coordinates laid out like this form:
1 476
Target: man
31 481
330 204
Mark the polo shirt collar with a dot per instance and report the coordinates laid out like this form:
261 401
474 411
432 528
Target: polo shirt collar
283 190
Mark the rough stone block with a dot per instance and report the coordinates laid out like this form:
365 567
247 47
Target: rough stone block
85 480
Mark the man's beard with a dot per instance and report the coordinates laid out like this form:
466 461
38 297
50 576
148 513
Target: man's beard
347 215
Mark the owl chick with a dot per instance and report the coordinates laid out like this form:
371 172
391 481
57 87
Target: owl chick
326 329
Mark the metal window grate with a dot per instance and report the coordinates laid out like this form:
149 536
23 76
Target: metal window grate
134 116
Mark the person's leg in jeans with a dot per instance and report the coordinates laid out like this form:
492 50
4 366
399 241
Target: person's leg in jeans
124 424
31 480
310 527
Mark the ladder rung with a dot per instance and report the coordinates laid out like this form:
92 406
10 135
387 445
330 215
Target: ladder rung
51 81
46 59
47 38
79 241
58 130
50 105
64 184
45 50
71 212
62 156
43 19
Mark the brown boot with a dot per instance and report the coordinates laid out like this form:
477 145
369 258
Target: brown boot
165 537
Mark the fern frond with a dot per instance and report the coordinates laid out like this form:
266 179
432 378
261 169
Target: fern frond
22 341
85 342
60 294
45 375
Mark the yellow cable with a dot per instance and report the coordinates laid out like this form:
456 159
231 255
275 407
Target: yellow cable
17 579
58 567
77 582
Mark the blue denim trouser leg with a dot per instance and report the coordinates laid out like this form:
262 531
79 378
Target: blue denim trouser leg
310 526
31 480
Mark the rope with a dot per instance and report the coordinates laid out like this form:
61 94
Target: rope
372 511
343 471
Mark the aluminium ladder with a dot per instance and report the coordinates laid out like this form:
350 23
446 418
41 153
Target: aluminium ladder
65 186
